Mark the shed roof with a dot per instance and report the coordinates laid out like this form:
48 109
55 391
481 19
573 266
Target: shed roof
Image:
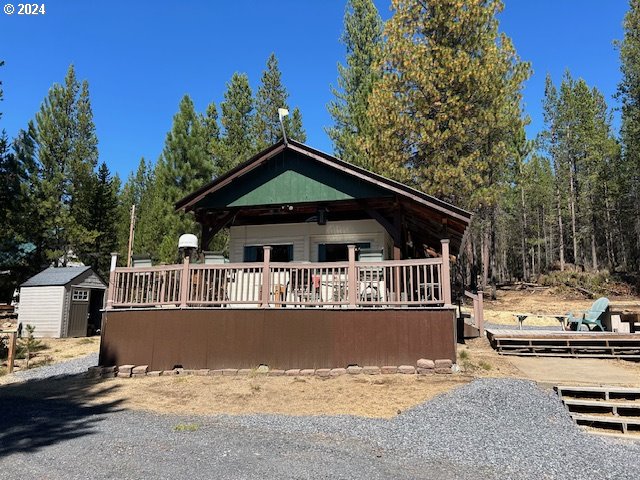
55 276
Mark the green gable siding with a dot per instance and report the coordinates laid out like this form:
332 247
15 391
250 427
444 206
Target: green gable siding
289 178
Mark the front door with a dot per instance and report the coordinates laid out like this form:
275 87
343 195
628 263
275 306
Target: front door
79 312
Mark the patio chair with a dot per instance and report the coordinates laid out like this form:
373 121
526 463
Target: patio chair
592 318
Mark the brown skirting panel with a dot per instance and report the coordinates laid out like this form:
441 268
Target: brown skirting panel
279 338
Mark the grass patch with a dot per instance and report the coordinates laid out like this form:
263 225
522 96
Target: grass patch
85 341
186 427
485 365
463 354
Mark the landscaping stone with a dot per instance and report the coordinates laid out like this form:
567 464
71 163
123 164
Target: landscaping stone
294 372
229 371
388 369
444 363
112 369
123 375
354 370
94 372
425 371
203 372
140 369
138 374
323 372
245 372
276 373
371 370
215 373
444 370
305 372
407 369
425 363
125 368
109 375
167 373
154 373
336 372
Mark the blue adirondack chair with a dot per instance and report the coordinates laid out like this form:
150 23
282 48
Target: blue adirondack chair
591 318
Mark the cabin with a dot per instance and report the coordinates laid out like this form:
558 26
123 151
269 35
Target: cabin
63 302
329 265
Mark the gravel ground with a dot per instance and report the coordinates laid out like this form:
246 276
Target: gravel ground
70 367
489 429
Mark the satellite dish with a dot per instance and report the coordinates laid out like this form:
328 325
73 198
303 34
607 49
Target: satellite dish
188 240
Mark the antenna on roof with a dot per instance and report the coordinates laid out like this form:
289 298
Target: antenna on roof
283 112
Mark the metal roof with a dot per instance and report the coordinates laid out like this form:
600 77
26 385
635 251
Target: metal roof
53 276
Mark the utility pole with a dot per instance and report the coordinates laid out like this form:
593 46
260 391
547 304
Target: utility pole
132 231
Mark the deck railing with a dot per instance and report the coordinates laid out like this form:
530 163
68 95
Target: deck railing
350 284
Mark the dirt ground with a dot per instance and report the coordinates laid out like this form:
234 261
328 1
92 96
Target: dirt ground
61 349
539 302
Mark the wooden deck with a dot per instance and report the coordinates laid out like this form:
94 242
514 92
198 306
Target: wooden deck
604 409
554 343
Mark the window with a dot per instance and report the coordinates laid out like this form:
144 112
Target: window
80 296
337 252
279 253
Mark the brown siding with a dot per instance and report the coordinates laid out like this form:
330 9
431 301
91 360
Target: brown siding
280 338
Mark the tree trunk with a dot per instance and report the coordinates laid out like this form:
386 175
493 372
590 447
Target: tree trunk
560 229
572 207
523 232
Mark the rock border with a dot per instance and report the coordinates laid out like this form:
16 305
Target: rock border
422 367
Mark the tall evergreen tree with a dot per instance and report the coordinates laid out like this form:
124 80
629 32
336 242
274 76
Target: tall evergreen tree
448 105
362 38
629 94
103 207
238 141
184 165
271 96
132 193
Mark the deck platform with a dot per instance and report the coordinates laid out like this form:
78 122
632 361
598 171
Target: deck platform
553 343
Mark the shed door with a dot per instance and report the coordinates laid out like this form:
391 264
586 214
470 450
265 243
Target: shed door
79 312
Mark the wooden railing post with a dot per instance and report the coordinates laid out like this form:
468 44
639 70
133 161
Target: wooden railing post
266 276
185 280
480 317
112 281
446 272
12 351
351 276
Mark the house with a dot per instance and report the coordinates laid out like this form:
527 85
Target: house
329 265
62 302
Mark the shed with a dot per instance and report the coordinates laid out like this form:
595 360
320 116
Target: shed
62 302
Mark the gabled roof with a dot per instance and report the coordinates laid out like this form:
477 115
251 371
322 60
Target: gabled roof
53 276
287 182
189 202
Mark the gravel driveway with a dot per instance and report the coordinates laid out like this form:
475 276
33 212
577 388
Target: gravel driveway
489 429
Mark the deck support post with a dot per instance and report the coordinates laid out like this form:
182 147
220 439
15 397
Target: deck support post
480 314
112 280
184 283
446 273
351 276
12 351
265 276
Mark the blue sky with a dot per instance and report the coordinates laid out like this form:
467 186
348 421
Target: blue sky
141 57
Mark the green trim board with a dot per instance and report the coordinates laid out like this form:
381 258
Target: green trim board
290 178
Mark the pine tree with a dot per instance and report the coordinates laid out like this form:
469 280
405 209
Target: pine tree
271 96
362 38
184 166
237 143
447 106
629 94
103 207
132 193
